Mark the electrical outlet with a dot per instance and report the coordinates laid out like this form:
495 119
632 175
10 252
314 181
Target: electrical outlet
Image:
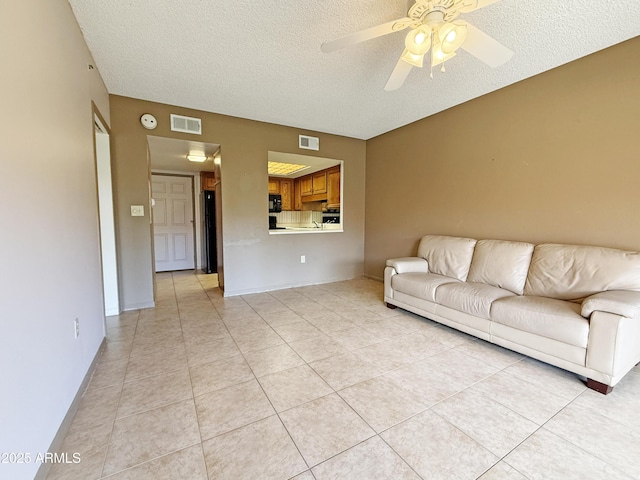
303 259
76 327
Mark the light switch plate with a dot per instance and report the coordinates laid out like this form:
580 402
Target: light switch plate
137 210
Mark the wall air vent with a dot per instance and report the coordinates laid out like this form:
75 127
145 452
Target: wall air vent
309 143
183 124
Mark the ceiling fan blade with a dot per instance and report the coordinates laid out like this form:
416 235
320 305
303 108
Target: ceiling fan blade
485 48
398 76
471 5
367 34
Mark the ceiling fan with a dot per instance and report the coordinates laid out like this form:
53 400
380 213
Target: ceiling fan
435 27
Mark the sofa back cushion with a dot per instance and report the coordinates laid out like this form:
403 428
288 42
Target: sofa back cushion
501 264
572 272
448 256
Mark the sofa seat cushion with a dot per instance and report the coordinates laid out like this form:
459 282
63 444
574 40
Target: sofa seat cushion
420 285
556 319
472 298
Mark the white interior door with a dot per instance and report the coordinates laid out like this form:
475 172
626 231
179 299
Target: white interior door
173 222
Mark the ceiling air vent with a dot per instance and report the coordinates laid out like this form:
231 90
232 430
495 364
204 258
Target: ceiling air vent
183 124
309 143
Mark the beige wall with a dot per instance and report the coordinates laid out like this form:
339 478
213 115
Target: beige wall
554 158
49 245
253 259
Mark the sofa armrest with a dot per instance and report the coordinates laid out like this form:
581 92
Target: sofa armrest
409 264
402 265
625 303
614 345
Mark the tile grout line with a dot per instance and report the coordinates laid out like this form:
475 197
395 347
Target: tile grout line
269 400
145 411
193 396
304 403
570 442
323 396
115 419
255 378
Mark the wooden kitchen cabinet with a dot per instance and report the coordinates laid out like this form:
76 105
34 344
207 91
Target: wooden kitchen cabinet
306 186
313 184
208 181
319 182
274 185
322 186
333 187
297 195
286 191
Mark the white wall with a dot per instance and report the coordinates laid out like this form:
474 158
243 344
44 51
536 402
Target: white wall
49 245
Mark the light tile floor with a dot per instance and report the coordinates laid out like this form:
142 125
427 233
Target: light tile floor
325 382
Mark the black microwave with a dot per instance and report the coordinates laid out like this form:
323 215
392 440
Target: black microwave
275 203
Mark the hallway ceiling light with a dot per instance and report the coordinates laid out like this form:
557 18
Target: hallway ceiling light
196 158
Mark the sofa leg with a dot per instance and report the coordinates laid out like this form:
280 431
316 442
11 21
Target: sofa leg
391 306
599 387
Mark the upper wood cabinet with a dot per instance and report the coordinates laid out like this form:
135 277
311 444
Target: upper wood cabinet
319 181
306 186
283 187
313 184
274 185
286 191
208 180
322 186
297 195
333 187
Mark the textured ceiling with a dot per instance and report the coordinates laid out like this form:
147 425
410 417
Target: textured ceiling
261 59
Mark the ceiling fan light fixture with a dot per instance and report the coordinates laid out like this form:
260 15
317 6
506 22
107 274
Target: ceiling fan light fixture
418 41
412 59
438 56
432 25
452 36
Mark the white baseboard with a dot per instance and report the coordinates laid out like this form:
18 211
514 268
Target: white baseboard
138 306
373 277
273 288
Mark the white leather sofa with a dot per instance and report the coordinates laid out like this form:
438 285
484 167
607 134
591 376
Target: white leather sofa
576 307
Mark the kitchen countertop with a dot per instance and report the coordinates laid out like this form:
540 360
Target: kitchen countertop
296 228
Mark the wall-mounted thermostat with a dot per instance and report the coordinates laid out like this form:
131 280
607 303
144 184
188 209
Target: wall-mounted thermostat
148 121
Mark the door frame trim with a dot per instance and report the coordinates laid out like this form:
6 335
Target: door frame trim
109 252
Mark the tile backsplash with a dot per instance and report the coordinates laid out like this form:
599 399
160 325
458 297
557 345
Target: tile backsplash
299 217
